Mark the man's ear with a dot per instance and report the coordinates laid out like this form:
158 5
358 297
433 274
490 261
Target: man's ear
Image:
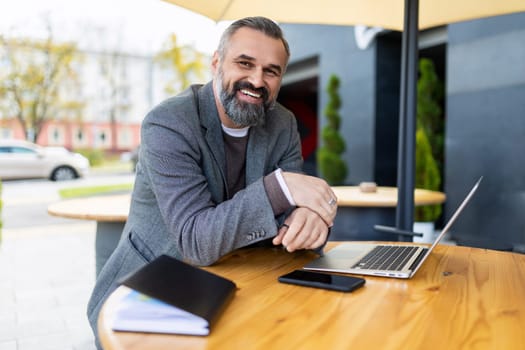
215 62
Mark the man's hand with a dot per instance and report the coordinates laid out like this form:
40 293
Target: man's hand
312 193
302 229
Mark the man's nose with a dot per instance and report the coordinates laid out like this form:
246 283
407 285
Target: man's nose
256 77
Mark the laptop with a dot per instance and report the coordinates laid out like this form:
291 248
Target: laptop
376 259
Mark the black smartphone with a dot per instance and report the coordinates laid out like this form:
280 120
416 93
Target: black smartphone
322 280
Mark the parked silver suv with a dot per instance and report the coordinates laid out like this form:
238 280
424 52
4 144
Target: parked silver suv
22 159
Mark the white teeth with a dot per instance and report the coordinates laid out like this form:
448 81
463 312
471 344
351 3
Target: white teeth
249 93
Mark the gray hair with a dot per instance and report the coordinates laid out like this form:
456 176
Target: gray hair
261 24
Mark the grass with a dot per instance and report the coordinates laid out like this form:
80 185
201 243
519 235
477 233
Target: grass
112 166
93 190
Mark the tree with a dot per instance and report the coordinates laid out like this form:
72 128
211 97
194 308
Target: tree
332 166
113 70
38 81
187 64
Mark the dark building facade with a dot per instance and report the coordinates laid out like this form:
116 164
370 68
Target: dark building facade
482 64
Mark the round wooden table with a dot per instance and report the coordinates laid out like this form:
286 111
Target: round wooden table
352 196
358 211
461 298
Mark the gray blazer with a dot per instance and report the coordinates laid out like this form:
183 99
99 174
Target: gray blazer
179 204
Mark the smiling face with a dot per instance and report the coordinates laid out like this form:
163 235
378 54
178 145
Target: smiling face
247 77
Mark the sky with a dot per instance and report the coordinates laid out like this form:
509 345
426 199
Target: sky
139 26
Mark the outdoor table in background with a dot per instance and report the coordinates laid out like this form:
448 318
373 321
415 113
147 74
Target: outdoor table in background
109 211
358 211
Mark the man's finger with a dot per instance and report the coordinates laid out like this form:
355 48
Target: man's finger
280 234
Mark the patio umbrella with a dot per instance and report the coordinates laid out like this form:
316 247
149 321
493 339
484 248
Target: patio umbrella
388 14
403 15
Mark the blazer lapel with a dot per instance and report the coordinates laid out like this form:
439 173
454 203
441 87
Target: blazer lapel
210 122
256 154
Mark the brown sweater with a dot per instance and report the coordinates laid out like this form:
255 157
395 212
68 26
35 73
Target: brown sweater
235 149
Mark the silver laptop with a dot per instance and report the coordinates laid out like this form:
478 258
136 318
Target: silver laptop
388 260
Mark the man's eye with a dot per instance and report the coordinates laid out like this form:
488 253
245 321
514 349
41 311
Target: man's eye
271 72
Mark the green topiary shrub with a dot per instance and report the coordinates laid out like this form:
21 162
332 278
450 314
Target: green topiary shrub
427 177
332 167
430 91
429 138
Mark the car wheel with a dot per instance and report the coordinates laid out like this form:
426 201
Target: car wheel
63 173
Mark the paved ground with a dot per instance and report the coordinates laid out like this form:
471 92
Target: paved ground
46 276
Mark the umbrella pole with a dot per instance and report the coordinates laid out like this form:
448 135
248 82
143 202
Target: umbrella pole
407 119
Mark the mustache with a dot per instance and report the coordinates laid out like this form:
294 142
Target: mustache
246 85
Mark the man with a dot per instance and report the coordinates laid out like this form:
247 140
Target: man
219 167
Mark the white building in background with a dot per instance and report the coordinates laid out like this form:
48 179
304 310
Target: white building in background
117 90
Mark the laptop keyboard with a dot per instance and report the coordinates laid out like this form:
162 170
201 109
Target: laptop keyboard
388 258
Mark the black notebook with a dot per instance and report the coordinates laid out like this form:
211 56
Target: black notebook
170 296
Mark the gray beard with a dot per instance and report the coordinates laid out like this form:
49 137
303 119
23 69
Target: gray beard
240 113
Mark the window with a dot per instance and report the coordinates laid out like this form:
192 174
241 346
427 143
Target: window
21 150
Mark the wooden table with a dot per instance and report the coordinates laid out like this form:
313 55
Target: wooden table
110 212
359 211
461 298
